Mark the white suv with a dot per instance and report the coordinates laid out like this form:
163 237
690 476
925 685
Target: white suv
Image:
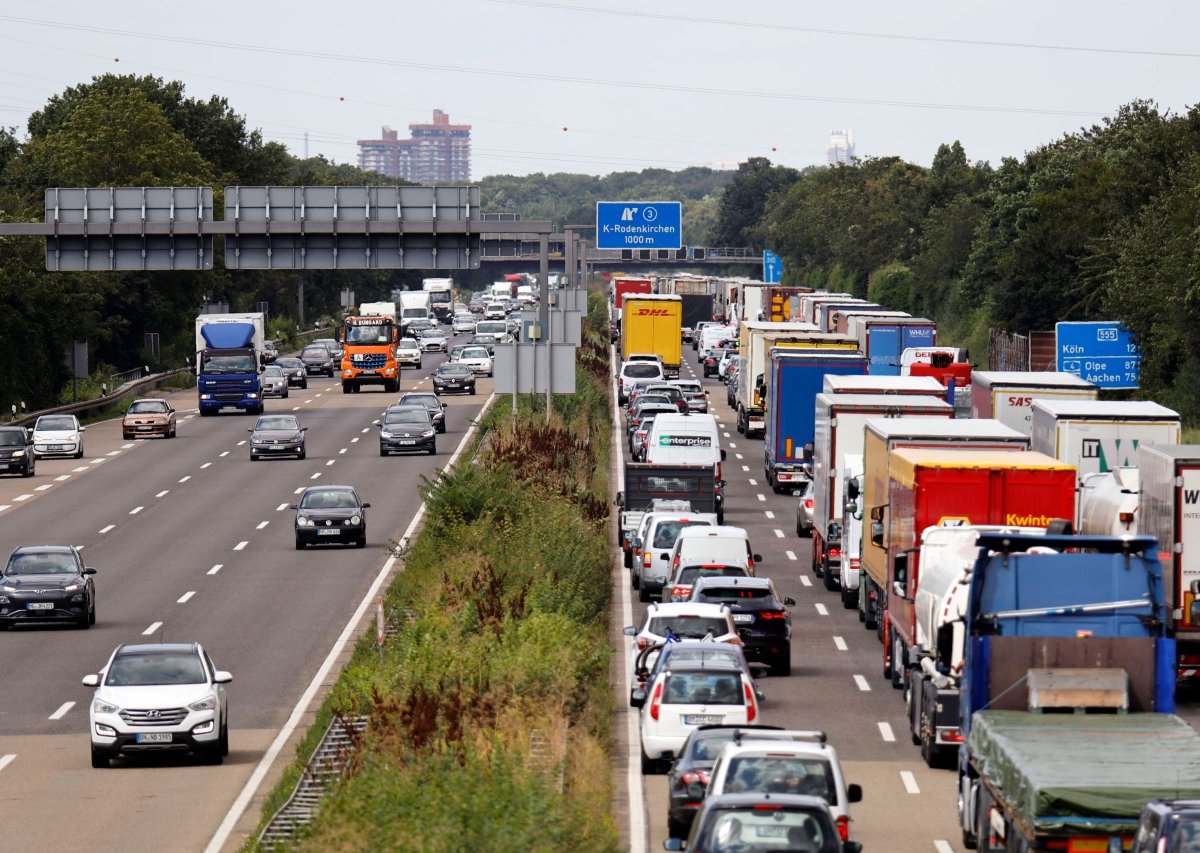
159 697
637 371
804 764
682 621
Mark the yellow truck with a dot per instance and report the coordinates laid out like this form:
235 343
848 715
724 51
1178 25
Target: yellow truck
653 323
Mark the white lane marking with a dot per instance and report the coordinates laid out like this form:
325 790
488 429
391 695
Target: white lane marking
862 684
745 467
163 493
42 487
319 393
262 524
241 546
136 510
778 533
113 453
840 644
885 732
3 507
739 456
295 408
762 498
126 446
306 402
154 626
80 547
6 760
281 507
910 782
725 434
240 443
185 478
96 461
62 711
751 480
205 465
769 513
223 453
80 469
368 429
821 609
183 599
62 478
314 476
329 462
298 491
791 555
805 581
353 440
217 842
941 845
343 450
216 568
731 444
106 528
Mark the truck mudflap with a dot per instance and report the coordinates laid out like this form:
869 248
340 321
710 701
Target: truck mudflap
671 371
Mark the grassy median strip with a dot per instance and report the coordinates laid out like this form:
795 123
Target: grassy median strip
489 708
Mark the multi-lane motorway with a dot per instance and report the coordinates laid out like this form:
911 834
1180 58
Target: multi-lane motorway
191 542
836 683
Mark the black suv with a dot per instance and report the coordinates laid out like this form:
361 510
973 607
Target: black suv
16 451
761 616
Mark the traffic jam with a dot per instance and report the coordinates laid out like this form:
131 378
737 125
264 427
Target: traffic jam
863 581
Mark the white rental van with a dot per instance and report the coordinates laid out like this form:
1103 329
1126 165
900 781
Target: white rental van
688 439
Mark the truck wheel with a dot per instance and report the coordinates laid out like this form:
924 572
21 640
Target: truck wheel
741 421
929 750
849 598
969 838
898 665
345 387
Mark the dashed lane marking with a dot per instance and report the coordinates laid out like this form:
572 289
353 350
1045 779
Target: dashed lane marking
862 684
778 533
731 444
885 732
367 429
805 581
306 402
62 711
126 446
241 546
354 440
739 456
6 760
113 453
42 487
97 461
821 609
751 481
295 408
223 453
163 493
205 465
329 462
106 528
3 507
281 507
745 467
262 524
216 568
343 450
136 510
768 513
840 644
762 498
314 476
154 626
941 845
185 479
240 443
62 478
80 469
791 555
910 782
183 599
298 491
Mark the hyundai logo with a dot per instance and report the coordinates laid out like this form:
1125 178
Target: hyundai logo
154 714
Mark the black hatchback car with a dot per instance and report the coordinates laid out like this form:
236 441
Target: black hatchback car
317 359
437 410
47 583
16 451
333 514
761 616
294 370
407 429
453 377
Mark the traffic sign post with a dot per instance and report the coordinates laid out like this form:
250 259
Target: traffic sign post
639 225
1103 353
772 267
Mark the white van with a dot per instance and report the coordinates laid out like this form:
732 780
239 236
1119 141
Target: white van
722 544
684 439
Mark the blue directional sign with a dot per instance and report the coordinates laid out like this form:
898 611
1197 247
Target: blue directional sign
639 225
1103 353
772 267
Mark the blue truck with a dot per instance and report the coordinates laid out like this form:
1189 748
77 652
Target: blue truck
884 339
794 378
229 358
1067 697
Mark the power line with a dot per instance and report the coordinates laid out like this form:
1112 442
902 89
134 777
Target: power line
555 78
776 27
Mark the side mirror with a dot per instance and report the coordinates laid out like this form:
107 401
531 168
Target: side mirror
620 499
757 558
222 677
852 490
877 534
249 429
83 429
724 454
637 697
89 571
674 844
366 505
788 601
91 681
854 793
629 631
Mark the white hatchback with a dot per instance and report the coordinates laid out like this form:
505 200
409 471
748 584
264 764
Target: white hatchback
58 435
478 359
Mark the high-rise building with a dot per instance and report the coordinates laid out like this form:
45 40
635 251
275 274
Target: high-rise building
439 152
840 147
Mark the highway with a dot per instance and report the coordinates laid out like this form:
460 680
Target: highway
191 542
836 685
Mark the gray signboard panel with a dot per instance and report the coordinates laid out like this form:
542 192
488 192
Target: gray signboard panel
566 327
113 222
524 367
352 204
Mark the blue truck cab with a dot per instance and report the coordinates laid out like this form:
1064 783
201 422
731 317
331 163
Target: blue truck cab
228 368
794 378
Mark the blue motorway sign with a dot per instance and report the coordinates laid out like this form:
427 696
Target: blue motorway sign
1103 353
772 267
639 225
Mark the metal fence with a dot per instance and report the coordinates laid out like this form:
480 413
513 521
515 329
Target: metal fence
1007 351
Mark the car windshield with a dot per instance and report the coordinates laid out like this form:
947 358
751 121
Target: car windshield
781 774
329 499
374 333
427 400
55 423
689 573
642 370
414 312
278 422
42 564
688 627
330 344
290 362
433 333
12 438
315 352
141 407
407 343
703 688
412 416
242 363
675 655
751 830
143 670
474 352
668 531
453 370
272 371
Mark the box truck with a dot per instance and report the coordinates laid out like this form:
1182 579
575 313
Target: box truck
441 297
1100 435
653 323
229 355
626 284
920 386
884 339
1008 395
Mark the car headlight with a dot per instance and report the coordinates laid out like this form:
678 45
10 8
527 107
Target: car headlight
17 454
386 434
428 433
8 588
355 519
99 706
303 521
206 704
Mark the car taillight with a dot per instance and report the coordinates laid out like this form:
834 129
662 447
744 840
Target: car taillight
642 642
835 552
675 562
808 503
647 558
843 827
751 707
655 700
855 562
771 614
681 591
693 777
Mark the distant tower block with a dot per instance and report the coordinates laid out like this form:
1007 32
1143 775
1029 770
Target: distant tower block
840 147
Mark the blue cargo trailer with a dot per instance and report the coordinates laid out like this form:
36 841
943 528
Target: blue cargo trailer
884 339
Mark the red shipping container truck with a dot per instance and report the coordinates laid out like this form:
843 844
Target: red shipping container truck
628 284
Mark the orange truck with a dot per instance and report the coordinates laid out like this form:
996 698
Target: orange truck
369 353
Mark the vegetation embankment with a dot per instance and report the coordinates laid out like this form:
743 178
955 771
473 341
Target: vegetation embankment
489 710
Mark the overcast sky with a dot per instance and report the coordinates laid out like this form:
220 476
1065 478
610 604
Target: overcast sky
603 85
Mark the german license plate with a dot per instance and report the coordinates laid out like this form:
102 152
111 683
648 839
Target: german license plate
56 447
743 617
328 531
154 737
407 441
40 605
145 427
3 466
703 719
368 373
